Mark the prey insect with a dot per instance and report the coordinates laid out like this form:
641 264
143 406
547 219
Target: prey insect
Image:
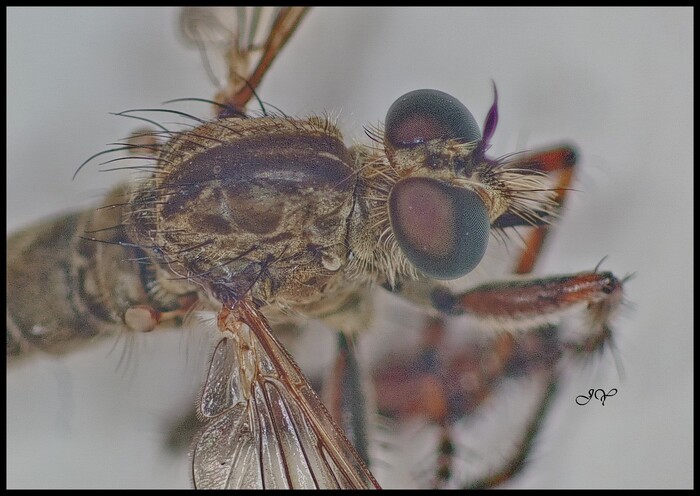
271 221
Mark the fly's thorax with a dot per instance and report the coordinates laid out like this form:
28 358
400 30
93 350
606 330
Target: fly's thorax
255 206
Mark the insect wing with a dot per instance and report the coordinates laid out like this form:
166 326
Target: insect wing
238 45
268 428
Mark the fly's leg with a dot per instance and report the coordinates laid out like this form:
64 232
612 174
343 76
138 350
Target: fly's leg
345 398
444 384
534 305
561 161
518 459
522 305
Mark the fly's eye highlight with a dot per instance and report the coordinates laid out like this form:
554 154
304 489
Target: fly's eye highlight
424 115
442 230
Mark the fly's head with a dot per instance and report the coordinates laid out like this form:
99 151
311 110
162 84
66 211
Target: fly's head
431 196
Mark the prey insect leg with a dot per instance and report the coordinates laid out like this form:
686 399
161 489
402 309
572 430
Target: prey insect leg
243 42
283 27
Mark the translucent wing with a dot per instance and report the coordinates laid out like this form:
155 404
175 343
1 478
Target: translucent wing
267 427
238 45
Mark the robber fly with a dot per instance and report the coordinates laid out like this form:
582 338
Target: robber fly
269 221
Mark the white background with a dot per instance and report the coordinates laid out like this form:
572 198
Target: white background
616 82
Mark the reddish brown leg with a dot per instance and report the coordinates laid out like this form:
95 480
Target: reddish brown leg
528 305
443 384
517 301
557 160
521 305
518 459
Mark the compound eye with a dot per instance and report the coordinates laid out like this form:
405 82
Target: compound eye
423 115
443 230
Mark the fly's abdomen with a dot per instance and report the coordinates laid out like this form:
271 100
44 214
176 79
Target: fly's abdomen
72 279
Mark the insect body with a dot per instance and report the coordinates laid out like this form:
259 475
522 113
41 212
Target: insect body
274 220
